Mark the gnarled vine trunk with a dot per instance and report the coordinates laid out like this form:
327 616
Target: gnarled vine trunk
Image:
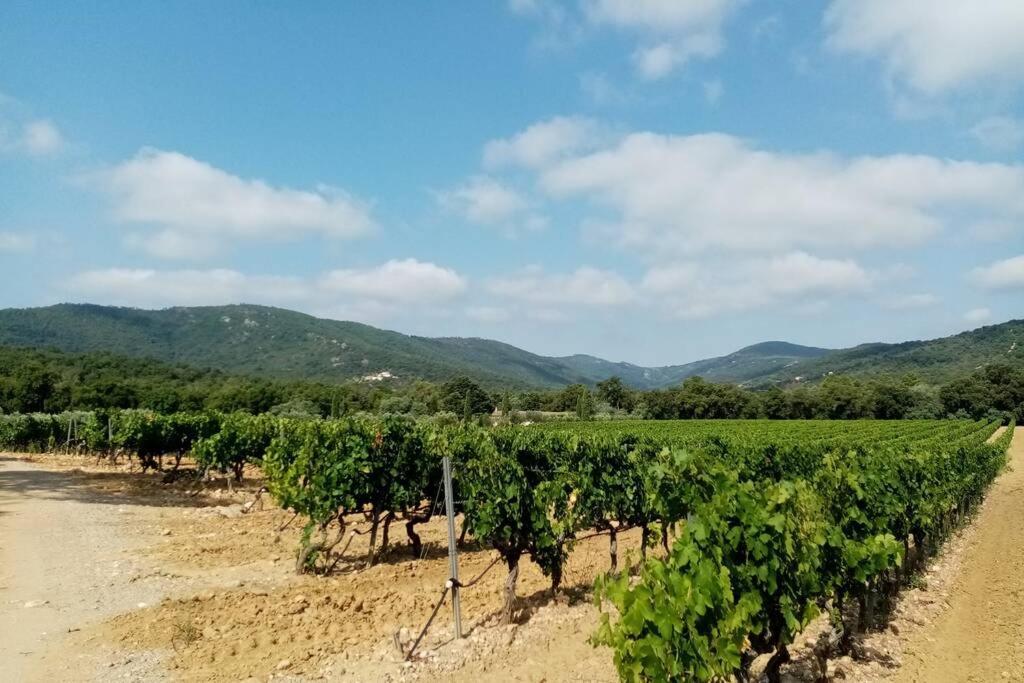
510 589
320 546
415 542
773 669
613 548
387 529
373 539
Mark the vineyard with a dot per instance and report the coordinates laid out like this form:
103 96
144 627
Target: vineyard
750 529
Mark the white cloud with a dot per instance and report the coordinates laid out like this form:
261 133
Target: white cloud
934 46
16 242
486 201
483 199
978 315
909 301
799 272
673 279
797 279
585 286
669 33
41 138
543 143
670 194
655 62
36 138
407 280
190 199
1000 133
672 32
384 288
1005 274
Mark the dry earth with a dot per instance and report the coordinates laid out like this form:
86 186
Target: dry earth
112 575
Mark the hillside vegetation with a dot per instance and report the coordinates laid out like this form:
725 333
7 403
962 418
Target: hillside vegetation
280 344
934 361
277 343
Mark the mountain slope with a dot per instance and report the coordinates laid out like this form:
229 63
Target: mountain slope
273 342
276 343
934 360
747 363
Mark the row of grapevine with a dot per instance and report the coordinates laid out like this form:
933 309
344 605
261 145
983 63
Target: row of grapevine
142 434
757 558
770 520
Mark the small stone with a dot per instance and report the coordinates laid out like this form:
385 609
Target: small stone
229 511
165 532
284 664
895 629
36 603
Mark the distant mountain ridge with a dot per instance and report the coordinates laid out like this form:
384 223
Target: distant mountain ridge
933 360
278 343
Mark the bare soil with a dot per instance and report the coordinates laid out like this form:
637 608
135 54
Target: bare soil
113 575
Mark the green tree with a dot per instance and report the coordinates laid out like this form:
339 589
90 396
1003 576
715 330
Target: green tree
843 398
460 391
585 406
616 394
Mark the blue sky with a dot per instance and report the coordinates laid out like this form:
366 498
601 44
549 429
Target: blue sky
651 180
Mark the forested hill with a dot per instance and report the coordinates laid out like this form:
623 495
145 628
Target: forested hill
282 344
277 343
934 361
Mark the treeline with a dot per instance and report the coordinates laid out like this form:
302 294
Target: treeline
34 380
50 381
994 392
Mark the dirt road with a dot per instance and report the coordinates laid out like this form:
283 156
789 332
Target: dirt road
981 636
64 563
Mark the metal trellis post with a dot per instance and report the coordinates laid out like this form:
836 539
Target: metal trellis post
453 556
